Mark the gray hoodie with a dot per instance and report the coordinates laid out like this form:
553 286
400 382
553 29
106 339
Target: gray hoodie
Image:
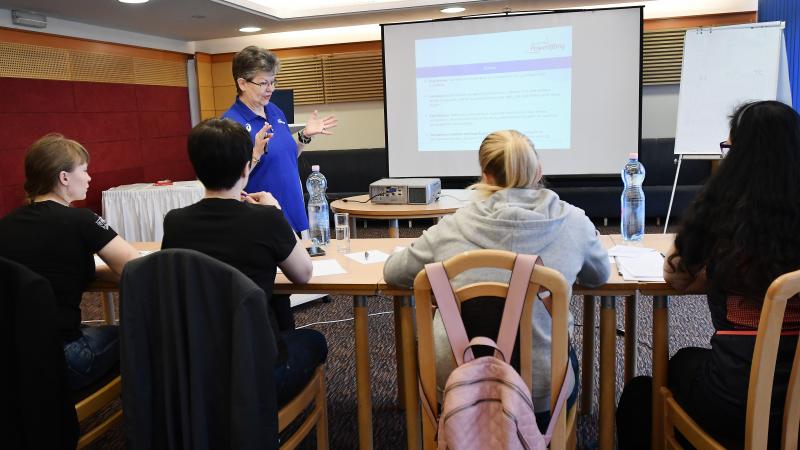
531 221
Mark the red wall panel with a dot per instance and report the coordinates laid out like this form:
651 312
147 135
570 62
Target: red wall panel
161 98
173 171
26 95
115 155
104 97
12 169
164 124
165 149
19 130
133 133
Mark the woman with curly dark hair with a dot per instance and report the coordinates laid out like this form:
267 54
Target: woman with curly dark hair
741 233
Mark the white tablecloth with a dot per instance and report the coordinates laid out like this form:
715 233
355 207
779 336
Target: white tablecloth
136 211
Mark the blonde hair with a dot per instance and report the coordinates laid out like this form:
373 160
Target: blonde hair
46 159
509 157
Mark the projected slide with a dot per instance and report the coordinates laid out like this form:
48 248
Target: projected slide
468 86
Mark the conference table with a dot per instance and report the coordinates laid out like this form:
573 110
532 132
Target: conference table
364 280
360 207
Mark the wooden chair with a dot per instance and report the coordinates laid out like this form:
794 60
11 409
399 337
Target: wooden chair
93 403
315 393
564 432
759 395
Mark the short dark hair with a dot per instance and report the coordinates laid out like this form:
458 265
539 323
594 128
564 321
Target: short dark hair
251 60
219 150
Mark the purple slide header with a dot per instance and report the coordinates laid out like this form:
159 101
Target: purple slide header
495 67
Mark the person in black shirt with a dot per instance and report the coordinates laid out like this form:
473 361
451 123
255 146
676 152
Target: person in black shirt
58 242
249 232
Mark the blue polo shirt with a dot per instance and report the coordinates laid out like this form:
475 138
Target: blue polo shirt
276 172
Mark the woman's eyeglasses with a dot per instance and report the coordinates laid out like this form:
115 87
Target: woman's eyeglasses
724 147
265 84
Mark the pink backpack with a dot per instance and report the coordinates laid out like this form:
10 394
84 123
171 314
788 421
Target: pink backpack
487 405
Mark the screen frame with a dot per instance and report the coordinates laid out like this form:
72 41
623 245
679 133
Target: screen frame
509 14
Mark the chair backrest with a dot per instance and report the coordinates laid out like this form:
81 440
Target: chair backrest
197 355
762 371
36 396
497 259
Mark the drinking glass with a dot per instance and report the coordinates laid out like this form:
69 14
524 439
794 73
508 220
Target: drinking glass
342 223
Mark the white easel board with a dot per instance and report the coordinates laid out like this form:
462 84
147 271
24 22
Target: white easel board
722 68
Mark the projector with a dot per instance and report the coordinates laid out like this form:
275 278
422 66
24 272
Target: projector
405 191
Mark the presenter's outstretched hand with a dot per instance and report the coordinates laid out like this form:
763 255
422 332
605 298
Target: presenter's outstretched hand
316 125
262 140
262 198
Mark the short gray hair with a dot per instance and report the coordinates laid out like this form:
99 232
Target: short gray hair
251 60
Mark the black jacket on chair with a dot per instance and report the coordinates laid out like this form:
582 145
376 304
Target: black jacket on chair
35 395
197 355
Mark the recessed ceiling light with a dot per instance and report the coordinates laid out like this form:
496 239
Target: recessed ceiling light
249 29
133 1
453 10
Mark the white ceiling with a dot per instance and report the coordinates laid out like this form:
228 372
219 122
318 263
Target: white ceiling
200 20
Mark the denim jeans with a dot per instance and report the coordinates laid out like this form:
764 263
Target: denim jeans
91 356
306 349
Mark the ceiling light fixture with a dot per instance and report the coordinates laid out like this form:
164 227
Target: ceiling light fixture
28 19
453 10
249 29
133 1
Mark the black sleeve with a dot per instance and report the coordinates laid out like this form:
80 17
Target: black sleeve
93 230
169 219
281 238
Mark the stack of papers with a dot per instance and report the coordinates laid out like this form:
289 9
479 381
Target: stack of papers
638 263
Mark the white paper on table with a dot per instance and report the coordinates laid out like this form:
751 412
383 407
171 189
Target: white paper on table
627 276
368 257
645 267
323 267
629 250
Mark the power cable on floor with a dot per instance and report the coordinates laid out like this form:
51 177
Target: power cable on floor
342 320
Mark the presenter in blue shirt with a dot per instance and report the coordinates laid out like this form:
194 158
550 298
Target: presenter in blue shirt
275 150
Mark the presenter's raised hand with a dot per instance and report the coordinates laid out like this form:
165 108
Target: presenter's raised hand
262 140
316 125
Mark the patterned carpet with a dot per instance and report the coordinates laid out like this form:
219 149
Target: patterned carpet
689 325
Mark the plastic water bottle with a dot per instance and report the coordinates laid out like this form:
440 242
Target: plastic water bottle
632 200
319 225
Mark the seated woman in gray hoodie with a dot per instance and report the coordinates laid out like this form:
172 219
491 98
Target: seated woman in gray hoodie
510 211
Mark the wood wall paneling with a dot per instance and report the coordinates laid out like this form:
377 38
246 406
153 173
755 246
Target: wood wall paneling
221 74
224 97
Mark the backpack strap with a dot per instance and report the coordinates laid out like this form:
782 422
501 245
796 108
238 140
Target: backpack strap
448 308
569 378
486 342
515 300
